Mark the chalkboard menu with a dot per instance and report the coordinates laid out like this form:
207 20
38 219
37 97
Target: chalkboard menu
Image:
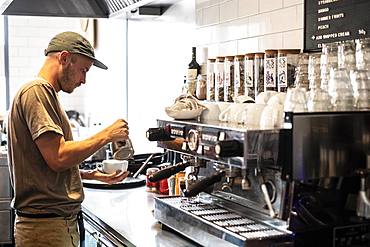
335 20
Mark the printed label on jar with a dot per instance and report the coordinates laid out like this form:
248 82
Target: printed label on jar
249 73
282 72
219 90
270 72
237 74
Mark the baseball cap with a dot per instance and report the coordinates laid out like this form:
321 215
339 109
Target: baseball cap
74 43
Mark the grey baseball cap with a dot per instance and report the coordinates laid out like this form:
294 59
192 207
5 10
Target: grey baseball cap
74 43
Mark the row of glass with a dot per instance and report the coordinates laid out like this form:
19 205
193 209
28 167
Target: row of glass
337 79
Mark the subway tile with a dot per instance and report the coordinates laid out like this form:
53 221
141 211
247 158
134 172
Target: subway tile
247 7
247 45
257 25
230 31
211 15
228 48
228 10
271 41
213 50
199 17
287 3
205 3
293 39
269 5
300 15
282 20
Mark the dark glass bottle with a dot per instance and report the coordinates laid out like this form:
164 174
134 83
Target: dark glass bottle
193 72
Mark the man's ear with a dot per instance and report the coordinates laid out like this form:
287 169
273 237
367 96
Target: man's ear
64 57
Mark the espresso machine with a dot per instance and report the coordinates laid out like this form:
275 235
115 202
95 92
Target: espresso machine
303 184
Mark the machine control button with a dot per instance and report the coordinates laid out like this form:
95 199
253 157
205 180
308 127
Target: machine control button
222 136
231 148
184 146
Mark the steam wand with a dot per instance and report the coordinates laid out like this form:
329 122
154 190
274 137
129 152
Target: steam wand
266 194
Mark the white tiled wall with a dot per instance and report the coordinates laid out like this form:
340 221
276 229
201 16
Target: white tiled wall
230 27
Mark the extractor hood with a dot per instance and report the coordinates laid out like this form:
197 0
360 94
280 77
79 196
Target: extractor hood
82 8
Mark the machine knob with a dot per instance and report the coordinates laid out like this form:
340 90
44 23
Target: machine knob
231 148
193 140
158 134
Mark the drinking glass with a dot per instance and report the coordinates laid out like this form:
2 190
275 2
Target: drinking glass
340 90
296 100
361 89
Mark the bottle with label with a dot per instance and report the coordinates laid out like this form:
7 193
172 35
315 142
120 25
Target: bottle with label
219 79
193 72
229 79
270 70
239 74
249 82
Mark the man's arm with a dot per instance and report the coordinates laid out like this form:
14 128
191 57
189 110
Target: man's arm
61 155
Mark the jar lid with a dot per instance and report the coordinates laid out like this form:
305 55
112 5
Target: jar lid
289 51
212 60
250 55
259 54
220 58
271 52
239 56
230 57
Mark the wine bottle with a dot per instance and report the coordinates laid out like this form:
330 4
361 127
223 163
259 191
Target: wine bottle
193 72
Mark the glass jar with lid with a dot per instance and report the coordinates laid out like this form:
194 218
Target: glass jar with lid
249 82
259 71
211 79
219 79
229 79
270 70
239 75
287 61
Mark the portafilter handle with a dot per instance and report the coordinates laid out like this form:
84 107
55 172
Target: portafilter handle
197 187
168 172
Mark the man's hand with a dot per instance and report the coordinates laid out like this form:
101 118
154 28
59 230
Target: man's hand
111 178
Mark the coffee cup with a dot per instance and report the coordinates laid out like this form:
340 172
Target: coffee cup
233 113
211 112
112 165
272 116
252 114
263 97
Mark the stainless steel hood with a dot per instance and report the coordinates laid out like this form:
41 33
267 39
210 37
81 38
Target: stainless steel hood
83 8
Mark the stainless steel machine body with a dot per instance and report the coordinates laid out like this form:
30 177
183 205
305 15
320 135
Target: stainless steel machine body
273 187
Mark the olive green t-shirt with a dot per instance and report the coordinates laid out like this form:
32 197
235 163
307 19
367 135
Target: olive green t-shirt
37 188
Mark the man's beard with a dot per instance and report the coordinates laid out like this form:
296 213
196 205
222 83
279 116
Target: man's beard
65 80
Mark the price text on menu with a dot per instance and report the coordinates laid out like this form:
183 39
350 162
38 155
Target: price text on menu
329 21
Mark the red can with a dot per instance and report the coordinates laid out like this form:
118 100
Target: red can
151 186
163 187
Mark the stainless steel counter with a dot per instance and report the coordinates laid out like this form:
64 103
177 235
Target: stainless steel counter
128 215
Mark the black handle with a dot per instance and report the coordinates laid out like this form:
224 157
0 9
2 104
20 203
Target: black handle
203 184
230 148
167 172
158 134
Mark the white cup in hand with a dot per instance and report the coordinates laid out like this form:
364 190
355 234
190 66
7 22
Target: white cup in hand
111 166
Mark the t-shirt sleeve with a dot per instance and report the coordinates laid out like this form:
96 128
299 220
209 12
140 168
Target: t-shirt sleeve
38 105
